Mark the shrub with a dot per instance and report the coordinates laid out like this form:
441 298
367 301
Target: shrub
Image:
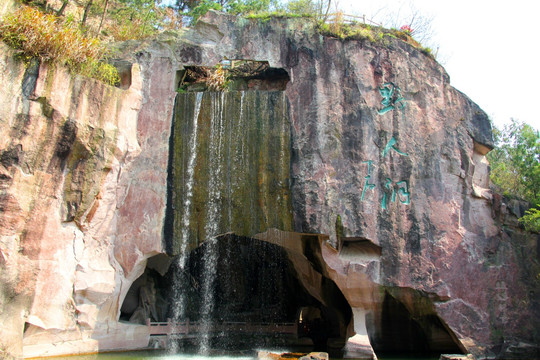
265 16
248 6
531 220
302 7
130 30
353 31
427 51
45 36
336 25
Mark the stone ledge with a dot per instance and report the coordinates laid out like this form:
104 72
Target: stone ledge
456 357
115 337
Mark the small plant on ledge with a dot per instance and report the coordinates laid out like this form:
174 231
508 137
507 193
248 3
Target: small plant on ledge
406 29
218 79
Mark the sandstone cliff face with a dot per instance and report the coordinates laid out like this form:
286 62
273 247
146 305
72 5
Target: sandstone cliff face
384 155
67 145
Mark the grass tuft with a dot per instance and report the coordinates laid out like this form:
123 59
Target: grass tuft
46 37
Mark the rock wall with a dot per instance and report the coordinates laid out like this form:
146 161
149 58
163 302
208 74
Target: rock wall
383 152
80 164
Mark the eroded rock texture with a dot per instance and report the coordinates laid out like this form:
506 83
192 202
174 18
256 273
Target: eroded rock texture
387 164
69 148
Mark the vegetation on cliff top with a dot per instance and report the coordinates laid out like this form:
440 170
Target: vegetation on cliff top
75 33
120 20
329 20
57 41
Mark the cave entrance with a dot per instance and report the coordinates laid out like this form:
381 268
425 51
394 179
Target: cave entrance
320 324
244 293
407 323
147 295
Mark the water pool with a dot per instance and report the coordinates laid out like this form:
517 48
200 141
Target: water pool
163 355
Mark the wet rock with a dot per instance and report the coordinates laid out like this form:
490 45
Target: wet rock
456 357
11 155
315 356
66 139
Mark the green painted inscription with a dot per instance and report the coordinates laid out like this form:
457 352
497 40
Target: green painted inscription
391 98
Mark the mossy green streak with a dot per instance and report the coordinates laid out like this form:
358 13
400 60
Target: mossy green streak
241 173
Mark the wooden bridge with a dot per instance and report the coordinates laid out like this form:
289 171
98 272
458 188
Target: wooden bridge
187 328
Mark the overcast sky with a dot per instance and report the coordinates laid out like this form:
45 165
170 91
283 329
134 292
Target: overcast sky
489 49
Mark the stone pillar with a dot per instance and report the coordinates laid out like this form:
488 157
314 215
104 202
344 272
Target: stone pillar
358 346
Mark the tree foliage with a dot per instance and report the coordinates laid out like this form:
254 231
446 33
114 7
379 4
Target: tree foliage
312 8
197 8
515 162
133 19
307 7
531 220
515 166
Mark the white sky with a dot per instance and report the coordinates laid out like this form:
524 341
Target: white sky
489 49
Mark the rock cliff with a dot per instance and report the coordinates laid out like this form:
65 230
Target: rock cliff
378 179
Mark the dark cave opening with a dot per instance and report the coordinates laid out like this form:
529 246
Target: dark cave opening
255 282
406 323
235 74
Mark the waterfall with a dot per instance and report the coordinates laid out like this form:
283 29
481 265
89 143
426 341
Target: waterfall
186 208
231 162
179 307
212 221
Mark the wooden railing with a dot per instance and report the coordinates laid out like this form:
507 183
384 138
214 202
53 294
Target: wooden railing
348 19
187 327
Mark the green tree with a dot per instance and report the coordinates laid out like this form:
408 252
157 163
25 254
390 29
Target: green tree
130 19
515 162
202 7
197 8
301 7
515 166
531 220
249 6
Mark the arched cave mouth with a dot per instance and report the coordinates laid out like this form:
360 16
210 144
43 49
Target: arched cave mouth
256 282
237 74
406 323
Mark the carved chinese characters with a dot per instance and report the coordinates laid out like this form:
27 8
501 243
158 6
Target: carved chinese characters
393 190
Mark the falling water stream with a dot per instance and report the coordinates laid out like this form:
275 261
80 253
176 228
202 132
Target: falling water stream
179 310
212 220
231 164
